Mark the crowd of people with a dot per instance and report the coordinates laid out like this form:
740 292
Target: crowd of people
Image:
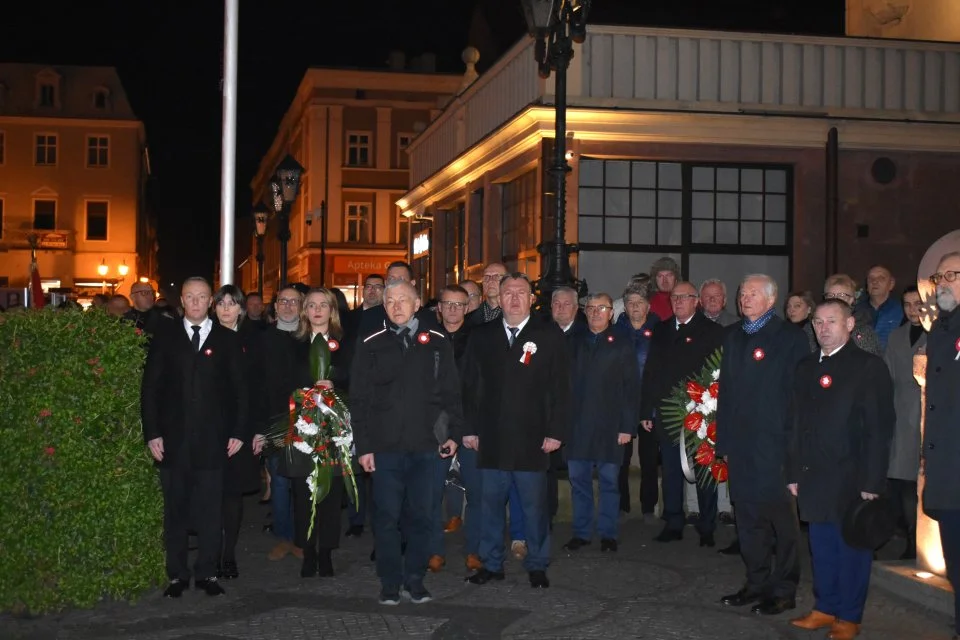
466 410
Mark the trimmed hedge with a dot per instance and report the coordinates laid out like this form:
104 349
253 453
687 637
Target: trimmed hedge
82 510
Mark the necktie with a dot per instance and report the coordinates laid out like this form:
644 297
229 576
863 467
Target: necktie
196 337
405 337
513 334
824 359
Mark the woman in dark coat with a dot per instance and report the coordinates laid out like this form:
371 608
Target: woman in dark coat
319 320
243 469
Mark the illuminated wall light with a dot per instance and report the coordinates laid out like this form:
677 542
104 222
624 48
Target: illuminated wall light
923 575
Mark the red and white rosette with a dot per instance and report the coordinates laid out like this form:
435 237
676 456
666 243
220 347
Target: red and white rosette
689 339
647 333
958 350
208 352
826 381
529 349
609 338
332 344
758 354
423 337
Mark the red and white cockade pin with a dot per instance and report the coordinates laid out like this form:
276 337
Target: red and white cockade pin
529 349
958 350
208 352
647 333
826 381
689 339
423 338
332 344
758 354
609 338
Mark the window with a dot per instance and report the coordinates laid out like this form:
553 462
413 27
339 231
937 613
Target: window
403 227
358 223
358 149
98 151
46 149
739 205
96 220
47 95
3 147
657 204
519 217
44 215
101 99
403 141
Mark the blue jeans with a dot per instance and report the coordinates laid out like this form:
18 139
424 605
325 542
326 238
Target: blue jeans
673 484
841 573
402 490
437 546
473 482
280 502
357 513
531 489
581 486
518 530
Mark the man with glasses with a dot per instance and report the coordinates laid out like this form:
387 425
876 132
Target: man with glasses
474 295
490 309
373 286
840 286
679 348
144 315
941 437
605 381
375 317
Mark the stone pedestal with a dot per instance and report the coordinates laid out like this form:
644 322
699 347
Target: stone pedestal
929 551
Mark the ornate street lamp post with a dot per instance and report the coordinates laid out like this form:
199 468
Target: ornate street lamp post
260 216
283 191
556 25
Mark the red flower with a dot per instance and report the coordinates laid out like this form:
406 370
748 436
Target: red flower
705 454
49 451
695 391
93 361
329 400
715 389
693 422
138 331
77 419
719 470
297 439
45 413
712 432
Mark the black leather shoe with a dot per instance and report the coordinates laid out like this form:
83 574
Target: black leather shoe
575 543
706 540
483 576
228 570
733 549
669 535
210 586
309 567
175 589
774 606
739 599
324 564
355 531
538 580
608 544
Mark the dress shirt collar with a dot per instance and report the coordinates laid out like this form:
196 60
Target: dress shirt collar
506 327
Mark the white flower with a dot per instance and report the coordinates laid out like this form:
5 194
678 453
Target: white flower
343 441
302 447
691 406
702 431
708 404
312 483
306 428
715 375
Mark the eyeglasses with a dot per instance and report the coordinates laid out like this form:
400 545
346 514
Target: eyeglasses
949 276
373 286
493 277
288 302
839 295
474 295
680 297
146 292
596 308
450 304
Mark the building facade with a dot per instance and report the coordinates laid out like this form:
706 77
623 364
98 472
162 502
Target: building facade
350 130
711 147
73 172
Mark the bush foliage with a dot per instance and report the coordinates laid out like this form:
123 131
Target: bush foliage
82 510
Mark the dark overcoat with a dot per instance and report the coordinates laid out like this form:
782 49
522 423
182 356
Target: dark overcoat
195 400
753 408
941 438
243 468
843 418
513 406
606 382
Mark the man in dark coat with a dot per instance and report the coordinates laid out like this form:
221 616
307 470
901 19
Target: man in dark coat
605 408
406 411
194 412
517 406
843 418
941 436
678 350
753 433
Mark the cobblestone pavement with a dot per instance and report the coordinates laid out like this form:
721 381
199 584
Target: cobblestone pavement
646 590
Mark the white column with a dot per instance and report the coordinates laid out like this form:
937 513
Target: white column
229 147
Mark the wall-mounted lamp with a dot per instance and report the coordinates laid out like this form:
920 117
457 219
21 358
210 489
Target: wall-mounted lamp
102 268
123 269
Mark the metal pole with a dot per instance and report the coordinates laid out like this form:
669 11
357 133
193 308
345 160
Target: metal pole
283 235
260 265
832 191
229 145
323 243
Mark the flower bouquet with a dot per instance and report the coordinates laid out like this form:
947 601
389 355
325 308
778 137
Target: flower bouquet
689 417
316 434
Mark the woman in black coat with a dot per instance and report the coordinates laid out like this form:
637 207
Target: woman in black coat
243 469
319 320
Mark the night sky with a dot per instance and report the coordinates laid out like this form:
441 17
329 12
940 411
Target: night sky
169 54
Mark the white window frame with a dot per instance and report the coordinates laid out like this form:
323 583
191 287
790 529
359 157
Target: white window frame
350 215
403 147
97 137
33 212
86 219
47 146
359 146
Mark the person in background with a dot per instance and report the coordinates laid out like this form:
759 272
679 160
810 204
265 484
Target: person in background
883 310
99 301
799 307
842 287
118 306
254 310
642 279
713 302
490 308
664 274
474 295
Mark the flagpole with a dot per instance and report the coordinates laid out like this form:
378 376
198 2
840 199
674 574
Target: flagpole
229 146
